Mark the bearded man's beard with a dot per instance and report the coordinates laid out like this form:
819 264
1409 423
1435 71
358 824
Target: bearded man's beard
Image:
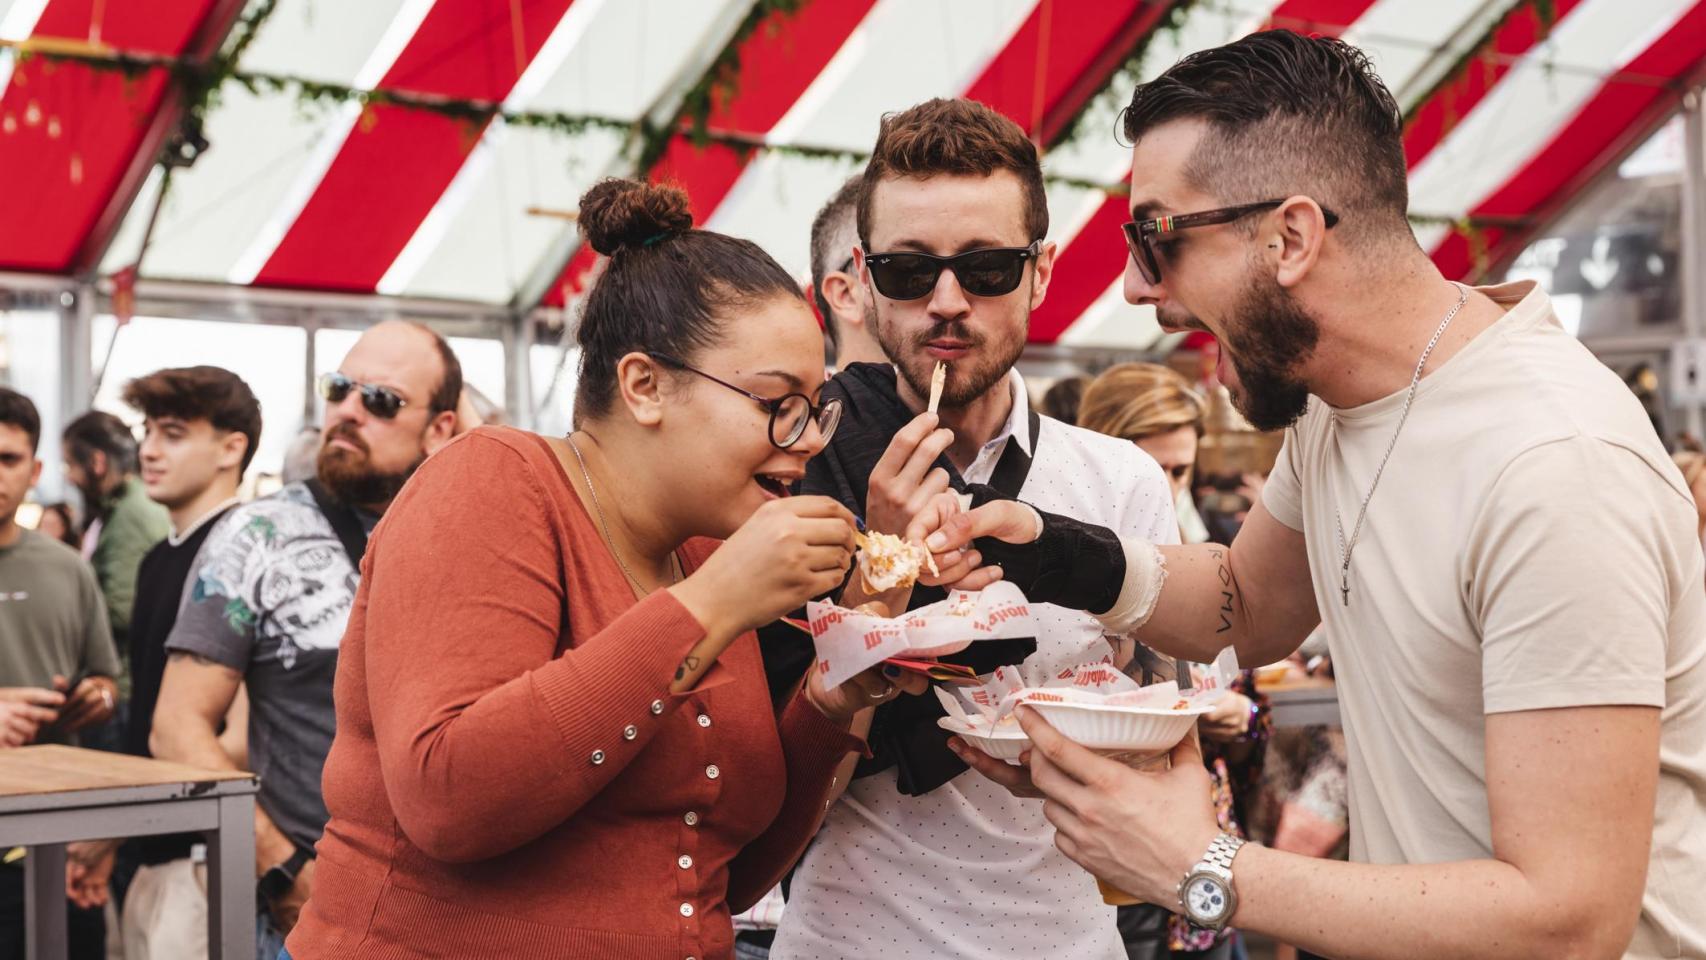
970 378
1269 337
349 474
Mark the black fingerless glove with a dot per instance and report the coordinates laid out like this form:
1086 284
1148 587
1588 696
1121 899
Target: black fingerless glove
1072 564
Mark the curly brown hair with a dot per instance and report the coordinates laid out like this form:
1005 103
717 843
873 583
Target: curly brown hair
960 137
214 394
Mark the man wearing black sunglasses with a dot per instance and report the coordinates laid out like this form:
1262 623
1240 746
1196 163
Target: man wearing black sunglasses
951 227
272 594
1474 510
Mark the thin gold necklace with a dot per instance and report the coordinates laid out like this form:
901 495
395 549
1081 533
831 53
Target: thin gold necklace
604 526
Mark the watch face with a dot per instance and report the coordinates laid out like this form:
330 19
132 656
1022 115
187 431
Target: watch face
1206 898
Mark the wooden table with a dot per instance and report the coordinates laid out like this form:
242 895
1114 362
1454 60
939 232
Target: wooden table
1305 702
52 795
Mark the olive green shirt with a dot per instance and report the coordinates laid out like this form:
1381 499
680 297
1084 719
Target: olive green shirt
131 524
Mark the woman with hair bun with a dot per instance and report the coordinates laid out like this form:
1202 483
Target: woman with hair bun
555 736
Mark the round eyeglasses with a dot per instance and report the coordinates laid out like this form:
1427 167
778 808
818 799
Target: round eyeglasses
789 414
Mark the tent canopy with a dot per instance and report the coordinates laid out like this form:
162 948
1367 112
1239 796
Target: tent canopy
1514 106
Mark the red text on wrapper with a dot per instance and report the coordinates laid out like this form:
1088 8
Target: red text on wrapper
1001 615
821 623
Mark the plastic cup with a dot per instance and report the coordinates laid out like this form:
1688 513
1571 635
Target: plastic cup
1111 894
1114 895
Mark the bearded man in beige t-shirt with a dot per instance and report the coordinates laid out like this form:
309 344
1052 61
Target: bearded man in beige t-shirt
1475 509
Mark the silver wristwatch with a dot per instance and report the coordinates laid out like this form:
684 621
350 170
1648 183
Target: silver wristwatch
1206 897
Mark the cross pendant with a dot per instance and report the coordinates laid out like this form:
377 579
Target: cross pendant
1345 590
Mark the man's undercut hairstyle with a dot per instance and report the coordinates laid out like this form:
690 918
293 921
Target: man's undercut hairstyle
832 235
1287 115
955 138
206 393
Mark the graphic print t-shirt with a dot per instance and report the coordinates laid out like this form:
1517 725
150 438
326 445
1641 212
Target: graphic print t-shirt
269 598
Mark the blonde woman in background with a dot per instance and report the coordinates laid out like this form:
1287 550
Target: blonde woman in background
1156 409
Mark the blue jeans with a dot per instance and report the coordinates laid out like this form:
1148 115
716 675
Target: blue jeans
268 941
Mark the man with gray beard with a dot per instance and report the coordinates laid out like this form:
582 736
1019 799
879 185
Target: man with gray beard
272 593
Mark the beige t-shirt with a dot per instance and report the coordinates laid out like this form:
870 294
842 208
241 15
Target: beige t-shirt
1530 546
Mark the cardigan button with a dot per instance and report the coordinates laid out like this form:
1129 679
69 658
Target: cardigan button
657 707
630 731
704 721
685 862
687 909
692 819
712 772
597 757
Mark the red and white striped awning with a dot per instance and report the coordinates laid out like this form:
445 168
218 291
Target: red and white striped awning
398 201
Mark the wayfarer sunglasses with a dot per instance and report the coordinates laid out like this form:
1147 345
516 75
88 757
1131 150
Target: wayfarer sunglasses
990 272
1144 237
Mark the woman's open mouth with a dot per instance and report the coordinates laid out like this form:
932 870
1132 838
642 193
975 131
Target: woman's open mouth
775 486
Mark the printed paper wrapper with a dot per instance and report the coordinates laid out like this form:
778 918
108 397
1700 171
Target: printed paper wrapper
1092 704
849 641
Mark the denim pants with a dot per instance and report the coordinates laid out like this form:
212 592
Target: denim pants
268 941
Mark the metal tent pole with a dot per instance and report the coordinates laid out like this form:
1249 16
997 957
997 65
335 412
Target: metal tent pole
518 375
1693 235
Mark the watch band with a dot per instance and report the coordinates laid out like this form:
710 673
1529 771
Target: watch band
281 877
1216 861
293 866
1221 852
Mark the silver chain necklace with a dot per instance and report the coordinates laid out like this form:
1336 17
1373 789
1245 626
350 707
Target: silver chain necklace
605 526
1404 414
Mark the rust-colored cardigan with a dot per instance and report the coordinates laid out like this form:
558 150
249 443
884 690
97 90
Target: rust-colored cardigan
508 784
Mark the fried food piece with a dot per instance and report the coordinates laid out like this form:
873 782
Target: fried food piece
886 562
938 379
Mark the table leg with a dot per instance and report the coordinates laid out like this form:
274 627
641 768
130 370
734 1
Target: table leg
231 881
45 932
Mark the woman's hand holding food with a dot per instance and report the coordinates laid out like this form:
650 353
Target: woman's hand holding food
875 686
786 553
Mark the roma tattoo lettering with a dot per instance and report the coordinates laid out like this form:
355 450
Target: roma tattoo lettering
1228 590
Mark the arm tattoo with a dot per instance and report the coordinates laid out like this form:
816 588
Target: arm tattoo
1228 589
